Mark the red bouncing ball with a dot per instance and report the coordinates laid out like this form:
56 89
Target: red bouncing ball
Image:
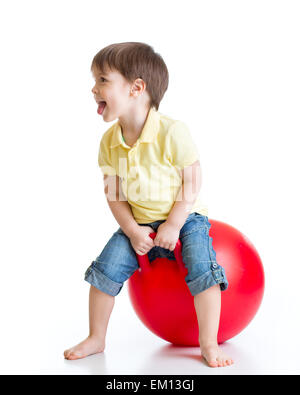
163 302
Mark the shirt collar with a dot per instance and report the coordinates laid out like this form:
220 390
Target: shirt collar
148 134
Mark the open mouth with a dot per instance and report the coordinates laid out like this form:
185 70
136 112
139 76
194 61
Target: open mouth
101 106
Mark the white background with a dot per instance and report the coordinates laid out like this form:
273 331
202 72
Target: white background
234 79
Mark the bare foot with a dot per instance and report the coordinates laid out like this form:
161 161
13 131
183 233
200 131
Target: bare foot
215 357
89 346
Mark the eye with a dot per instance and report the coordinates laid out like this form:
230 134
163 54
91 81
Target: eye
102 79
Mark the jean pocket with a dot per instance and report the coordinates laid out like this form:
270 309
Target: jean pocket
201 217
194 226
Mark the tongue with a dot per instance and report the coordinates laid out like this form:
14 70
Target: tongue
101 107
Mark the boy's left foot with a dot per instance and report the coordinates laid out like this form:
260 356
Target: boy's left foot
215 357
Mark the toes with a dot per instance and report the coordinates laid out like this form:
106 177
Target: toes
228 361
225 362
72 356
213 363
220 362
215 358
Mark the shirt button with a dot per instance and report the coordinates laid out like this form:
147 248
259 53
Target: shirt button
214 265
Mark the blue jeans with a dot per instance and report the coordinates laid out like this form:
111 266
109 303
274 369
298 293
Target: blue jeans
118 261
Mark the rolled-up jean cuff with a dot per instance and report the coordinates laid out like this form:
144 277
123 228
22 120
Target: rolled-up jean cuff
102 282
207 280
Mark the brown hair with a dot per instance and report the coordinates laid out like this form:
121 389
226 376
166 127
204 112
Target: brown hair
136 60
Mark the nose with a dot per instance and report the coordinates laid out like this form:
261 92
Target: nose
93 90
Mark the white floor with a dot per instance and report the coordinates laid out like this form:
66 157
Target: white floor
242 107
35 340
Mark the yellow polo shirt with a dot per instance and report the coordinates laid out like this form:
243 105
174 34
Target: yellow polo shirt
150 169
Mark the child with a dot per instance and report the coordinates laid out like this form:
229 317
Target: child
152 178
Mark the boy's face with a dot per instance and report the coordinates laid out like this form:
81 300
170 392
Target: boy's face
113 89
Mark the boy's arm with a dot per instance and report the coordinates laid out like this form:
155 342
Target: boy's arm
120 208
187 195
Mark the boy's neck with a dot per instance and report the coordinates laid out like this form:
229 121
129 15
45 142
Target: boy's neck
133 123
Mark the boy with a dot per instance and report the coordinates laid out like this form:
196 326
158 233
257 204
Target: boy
152 179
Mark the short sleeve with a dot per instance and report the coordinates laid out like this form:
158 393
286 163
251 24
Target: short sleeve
181 149
104 159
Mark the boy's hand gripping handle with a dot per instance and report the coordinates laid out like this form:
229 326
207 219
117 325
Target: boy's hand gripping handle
144 263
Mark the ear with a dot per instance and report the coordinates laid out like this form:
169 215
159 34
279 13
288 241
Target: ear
138 87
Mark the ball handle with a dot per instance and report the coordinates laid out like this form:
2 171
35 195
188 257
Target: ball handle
144 263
